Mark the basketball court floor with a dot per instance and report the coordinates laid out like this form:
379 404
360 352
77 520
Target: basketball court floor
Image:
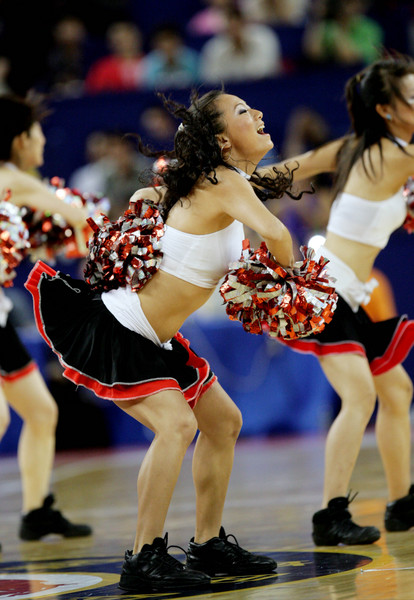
275 488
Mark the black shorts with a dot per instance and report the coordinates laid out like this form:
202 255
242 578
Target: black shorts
15 361
99 353
384 343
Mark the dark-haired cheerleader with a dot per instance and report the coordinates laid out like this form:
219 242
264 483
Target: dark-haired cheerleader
118 332
22 386
362 359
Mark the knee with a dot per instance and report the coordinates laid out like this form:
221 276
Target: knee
362 404
182 429
399 398
233 423
44 416
227 428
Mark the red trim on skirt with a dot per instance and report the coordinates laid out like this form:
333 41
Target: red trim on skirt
119 391
397 350
20 373
394 355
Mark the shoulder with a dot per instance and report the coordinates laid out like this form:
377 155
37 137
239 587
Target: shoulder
155 194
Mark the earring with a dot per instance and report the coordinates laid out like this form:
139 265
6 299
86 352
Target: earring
388 117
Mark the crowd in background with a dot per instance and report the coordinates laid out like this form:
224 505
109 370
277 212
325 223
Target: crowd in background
69 48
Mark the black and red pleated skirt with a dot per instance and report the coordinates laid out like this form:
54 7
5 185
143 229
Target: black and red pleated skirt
384 343
102 355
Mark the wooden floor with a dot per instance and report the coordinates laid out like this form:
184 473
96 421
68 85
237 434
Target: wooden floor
274 490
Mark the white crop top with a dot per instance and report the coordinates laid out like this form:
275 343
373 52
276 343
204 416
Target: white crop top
367 221
201 259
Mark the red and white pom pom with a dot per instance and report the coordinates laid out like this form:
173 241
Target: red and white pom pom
49 233
408 192
13 240
286 303
127 251
95 205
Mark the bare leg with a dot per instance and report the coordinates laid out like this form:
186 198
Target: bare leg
168 415
393 429
31 399
4 414
350 376
219 421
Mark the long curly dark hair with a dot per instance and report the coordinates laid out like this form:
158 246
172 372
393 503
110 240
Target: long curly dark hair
197 153
378 83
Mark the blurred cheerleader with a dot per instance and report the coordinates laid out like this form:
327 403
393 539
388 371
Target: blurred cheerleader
361 359
22 386
125 345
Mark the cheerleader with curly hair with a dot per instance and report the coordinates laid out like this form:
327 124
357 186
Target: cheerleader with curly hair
124 342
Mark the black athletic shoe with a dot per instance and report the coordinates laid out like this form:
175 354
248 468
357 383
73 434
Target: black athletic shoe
399 515
154 570
219 556
333 526
42 521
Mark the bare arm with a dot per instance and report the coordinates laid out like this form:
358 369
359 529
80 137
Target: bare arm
28 191
237 199
320 160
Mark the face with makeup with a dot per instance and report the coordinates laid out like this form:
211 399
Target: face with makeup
243 141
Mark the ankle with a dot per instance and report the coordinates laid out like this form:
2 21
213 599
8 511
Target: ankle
201 537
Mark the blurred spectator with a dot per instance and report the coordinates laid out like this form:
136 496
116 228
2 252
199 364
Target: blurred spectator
4 73
91 177
66 67
276 12
244 51
130 172
122 70
210 20
97 15
158 127
170 64
341 32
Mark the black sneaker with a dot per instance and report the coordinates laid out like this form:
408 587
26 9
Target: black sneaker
219 556
42 521
154 570
399 515
333 526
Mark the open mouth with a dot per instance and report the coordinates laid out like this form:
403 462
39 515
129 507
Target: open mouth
261 130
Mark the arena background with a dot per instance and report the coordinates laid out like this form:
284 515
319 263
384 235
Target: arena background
279 392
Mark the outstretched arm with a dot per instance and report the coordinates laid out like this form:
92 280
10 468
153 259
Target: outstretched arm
320 160
26 190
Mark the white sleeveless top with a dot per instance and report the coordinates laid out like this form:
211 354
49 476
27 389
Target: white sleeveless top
201 259
367 221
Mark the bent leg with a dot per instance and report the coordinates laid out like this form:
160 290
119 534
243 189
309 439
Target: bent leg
31 399
351 378
219 421
393 429
168 415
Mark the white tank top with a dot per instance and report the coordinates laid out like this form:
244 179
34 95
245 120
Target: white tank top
367 221
201 259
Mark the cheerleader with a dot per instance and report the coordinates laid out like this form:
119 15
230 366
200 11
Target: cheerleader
360 358
22 386
124 342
